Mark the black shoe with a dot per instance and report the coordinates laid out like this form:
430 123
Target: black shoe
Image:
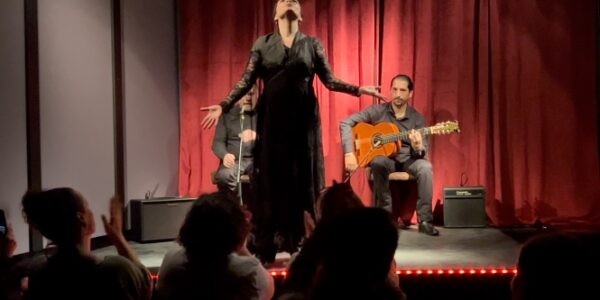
428 229
400 224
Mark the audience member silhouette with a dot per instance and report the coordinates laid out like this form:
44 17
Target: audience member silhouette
555 266
63 216
8 245
347 257
358 247
333 200
213 262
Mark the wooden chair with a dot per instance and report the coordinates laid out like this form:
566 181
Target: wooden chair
246 188
403 187
245 179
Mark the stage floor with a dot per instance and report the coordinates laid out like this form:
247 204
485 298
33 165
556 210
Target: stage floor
455 249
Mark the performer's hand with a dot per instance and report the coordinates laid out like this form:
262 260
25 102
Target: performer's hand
372 91
214 112
416 140
8 243
229 160
114 226
350 162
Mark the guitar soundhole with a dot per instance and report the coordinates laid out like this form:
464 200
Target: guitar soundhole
377 141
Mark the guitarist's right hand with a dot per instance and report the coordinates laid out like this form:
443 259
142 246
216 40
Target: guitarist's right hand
350 162
229 160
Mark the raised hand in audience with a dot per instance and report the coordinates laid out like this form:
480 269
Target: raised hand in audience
114 229
8 244
309 224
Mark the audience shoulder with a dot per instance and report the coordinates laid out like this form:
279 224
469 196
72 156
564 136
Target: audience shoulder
243 265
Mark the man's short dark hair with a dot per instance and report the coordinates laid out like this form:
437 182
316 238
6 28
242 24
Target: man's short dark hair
405 78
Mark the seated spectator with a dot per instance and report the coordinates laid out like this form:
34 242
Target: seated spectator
8 245
358 247
332 201
213 262
555 266
63 216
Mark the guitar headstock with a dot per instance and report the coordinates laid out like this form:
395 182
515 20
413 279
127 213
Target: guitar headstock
445 127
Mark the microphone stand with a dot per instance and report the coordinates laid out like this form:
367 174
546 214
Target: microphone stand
239 169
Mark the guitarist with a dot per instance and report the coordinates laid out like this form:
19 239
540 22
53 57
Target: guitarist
410 158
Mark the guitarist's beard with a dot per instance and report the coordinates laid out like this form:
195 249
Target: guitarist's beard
399 102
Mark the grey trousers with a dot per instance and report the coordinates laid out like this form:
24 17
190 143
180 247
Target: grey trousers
226 178
421 169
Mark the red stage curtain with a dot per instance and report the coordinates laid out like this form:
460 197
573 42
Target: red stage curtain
519 76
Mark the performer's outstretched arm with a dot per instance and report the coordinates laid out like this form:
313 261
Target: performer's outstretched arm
324 72
240 89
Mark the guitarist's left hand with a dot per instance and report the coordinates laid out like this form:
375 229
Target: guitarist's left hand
416 140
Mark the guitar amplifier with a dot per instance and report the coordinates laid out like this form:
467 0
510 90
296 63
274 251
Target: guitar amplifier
464 206
158 219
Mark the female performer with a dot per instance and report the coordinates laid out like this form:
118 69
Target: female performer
288 153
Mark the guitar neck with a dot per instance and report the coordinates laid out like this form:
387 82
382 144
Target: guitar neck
403 136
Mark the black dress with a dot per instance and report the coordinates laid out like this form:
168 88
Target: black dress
289 170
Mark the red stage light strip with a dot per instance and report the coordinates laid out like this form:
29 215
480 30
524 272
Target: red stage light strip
421 272
468 271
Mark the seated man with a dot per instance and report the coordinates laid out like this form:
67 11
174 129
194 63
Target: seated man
226 143
410 157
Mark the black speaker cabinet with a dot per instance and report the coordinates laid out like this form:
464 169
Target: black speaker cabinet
158 219
464 206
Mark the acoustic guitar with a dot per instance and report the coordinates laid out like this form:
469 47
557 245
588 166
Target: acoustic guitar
385 138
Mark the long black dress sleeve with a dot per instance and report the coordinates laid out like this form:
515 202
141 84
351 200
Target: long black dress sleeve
324 72
246 82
